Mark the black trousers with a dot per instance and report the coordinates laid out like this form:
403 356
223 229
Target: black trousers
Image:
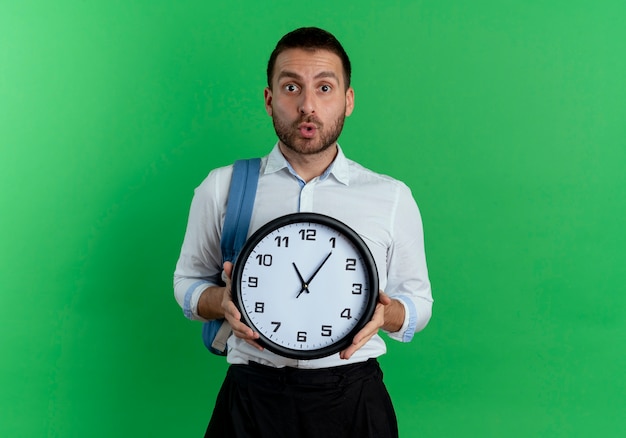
256 401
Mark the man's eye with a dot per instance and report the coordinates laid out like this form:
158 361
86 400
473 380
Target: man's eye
291 88
325 88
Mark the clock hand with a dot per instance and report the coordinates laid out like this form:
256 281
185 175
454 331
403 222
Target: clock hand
305 287
317 270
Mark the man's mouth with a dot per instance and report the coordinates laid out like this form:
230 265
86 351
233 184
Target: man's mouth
307 130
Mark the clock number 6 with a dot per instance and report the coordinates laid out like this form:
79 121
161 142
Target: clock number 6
301 336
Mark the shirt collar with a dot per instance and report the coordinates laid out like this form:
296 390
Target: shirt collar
338 168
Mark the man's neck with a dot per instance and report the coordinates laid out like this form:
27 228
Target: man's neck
309 166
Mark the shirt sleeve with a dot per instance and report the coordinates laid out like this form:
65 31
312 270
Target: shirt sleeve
200 263
407 273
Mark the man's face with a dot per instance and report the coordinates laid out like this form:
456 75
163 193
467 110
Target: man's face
308 100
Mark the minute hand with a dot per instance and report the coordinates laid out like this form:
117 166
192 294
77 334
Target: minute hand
306 285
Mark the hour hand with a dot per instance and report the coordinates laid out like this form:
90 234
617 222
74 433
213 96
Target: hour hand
305 286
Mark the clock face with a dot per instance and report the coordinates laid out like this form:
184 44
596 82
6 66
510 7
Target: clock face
307 284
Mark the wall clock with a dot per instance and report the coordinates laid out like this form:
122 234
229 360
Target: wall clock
307 283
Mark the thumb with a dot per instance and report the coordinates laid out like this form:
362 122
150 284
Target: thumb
228 269
227 272
383 298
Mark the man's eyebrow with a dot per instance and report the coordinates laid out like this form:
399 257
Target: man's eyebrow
294 75
326 74
288 74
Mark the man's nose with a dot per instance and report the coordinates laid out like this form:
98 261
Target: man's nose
307 103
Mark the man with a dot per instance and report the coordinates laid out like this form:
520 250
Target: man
265 395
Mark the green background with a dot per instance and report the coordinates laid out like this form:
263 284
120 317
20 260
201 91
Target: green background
507 119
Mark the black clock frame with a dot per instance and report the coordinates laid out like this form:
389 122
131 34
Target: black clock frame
353 237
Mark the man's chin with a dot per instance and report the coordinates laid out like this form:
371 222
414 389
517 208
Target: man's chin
307 146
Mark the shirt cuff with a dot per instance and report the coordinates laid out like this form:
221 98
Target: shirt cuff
192 296
406 332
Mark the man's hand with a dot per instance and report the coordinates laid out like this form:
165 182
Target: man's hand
231 313
389 315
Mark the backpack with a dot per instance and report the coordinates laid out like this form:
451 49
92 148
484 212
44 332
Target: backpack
241 196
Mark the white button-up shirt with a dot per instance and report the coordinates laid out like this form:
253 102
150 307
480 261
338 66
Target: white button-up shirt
379 208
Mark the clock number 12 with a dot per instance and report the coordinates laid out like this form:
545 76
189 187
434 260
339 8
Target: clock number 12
308 234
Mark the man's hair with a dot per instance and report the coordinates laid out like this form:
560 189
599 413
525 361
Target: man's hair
310 38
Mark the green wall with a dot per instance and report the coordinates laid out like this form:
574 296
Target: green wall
507 119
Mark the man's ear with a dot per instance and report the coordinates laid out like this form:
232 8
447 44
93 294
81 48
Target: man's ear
268 101
349 101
